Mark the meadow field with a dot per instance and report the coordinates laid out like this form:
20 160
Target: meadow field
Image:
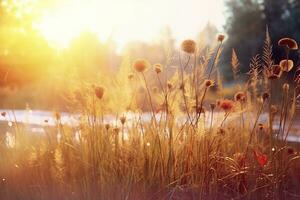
198 140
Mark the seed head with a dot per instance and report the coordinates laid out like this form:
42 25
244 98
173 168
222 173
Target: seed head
265 96
221 37
212 106
286 65
123 119
130 76
107 126
289 43
3 114
158 68
140 65
99 91
188 46
208 83
226 105
240 96
274 73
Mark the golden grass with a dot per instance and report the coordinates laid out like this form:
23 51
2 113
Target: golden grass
196 145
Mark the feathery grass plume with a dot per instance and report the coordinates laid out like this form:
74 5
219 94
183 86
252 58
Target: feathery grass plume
158 68
235 64
274 72
286 65
288 43
255 65
267 51
140 65
188 46
99 91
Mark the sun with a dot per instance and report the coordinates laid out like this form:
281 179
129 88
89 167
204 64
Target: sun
126 20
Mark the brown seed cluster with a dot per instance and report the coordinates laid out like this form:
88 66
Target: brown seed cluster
188 46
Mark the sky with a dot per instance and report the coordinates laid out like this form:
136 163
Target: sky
127 20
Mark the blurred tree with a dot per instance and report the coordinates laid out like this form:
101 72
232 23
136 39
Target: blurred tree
247 22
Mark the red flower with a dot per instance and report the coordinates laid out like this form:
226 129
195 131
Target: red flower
261 158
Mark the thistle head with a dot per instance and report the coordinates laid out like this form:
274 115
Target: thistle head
140 65
188 46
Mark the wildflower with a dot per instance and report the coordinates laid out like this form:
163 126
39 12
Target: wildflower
261 158
286 87
123 119
289 43
3 114
208 83
212 106
274 72
221 37
140 65
226 105
240 96
158 68
130 76
181 87
107 126
188 46
265 96
286 65
99 91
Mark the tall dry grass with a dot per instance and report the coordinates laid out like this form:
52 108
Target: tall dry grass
196 144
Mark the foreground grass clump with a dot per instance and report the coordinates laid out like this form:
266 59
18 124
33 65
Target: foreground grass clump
194 143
